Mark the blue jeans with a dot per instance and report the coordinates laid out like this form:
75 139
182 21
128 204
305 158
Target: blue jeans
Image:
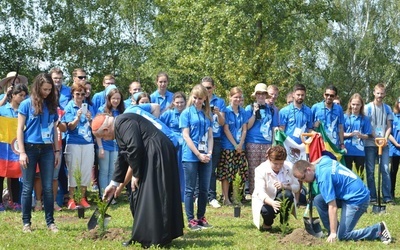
106 169
348 220
216 156
371 154
203 171
43 155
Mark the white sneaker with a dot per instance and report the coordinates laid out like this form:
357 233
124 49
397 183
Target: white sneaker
215 204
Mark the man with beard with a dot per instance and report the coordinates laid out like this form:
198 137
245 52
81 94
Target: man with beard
331 115
296 117
381 117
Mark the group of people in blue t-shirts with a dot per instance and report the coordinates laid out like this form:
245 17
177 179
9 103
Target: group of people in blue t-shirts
214 141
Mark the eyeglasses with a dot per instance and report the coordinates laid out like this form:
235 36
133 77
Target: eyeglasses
208 88
261 93
80 94
82 77
329 95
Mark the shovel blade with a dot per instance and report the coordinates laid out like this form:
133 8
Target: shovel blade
92 223
313 227
377 209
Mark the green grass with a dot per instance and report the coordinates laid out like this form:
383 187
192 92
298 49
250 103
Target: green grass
228 232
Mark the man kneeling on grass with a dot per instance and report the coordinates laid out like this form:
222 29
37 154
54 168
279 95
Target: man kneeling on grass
340 188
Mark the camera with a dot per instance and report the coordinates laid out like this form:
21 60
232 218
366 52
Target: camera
212 108
258 113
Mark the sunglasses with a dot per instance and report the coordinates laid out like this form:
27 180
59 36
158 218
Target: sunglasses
329 95
208 88
82 77
80 94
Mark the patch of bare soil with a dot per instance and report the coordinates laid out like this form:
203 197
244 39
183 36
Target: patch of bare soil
300 236
111 234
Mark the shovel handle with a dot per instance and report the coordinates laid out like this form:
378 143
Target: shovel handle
303 139
380 143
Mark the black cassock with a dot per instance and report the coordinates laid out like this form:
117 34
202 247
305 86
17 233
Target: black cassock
156 204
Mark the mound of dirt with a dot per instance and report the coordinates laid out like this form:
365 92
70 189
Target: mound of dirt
300 236
111 234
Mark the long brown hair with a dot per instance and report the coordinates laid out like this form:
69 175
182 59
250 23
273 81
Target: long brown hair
108 107
355 96
51 101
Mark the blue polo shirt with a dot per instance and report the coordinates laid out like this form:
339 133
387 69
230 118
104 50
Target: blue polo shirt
82 134
171 118
35 123
235 123
220 103
355 146
331 119
98 100
296 121
394 151
137 109
198 125
164 102
65 96
336 181
261 131
128 102
109 145
8 111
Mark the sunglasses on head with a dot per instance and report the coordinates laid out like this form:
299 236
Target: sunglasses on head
329 95
81 77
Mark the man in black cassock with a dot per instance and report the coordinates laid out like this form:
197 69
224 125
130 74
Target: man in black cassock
155 202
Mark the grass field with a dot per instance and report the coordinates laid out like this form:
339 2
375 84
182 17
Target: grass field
228 232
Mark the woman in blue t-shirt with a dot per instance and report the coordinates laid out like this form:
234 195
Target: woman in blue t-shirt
38 144
108 149
195 122
356 128
10 109
171 118
394 146
233 157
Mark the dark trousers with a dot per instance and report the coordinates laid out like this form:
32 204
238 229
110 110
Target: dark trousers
359 161
394 167
268 213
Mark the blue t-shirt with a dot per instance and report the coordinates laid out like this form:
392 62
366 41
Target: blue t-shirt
164 102
98 100
394 151
36 124
331 119
171 118
109 145
8 111
235 123
198 125
336 181
296 121
82 133
355 146
128 102
378 117
220 103
65 96
261 131
138 109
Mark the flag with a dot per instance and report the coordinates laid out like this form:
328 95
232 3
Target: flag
294 150
330 146
9 156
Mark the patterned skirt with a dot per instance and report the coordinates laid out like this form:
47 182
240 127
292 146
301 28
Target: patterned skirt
231 163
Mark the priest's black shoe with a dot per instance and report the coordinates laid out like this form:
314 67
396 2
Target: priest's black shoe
127 243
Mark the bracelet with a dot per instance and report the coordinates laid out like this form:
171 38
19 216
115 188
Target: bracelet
55 151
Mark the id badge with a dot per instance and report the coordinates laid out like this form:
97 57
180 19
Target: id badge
202 147
378 132
46 136
239 135
297 132
82 131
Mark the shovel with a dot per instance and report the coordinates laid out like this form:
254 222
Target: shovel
379 208
311 223
92 223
